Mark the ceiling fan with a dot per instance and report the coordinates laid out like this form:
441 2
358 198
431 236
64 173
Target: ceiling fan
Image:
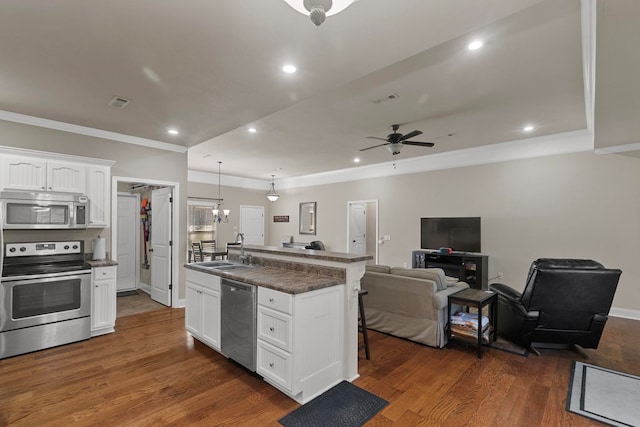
395 140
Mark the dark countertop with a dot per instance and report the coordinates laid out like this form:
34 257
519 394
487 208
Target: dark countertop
305 253
287 281
101 263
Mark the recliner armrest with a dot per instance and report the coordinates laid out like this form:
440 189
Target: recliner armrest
506 291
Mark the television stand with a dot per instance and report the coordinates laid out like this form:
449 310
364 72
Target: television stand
472 268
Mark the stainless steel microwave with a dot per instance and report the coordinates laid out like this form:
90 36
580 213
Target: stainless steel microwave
33 210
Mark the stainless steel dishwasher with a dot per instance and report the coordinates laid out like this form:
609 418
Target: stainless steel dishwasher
238 336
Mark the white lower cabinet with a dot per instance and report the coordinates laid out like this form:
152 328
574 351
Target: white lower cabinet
202 308
103 300
300 339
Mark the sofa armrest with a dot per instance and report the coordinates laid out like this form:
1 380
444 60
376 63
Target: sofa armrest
441 298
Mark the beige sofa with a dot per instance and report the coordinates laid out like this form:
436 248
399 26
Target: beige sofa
409 303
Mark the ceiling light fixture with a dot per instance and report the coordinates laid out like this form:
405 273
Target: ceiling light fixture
528 128
216 212
289 69
356 160
318 10
252 130
271 194
475 45
173 131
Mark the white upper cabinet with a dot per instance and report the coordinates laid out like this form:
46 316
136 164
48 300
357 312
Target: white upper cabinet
98 192
33 174
60 173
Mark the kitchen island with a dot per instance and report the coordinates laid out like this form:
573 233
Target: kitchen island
307 322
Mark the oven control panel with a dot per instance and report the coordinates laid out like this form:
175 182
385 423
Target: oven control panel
43 248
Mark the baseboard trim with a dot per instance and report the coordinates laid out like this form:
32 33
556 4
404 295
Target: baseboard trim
625 313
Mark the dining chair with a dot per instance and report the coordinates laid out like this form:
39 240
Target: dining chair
196 252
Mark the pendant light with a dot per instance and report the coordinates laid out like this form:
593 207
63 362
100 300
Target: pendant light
271 194
216 212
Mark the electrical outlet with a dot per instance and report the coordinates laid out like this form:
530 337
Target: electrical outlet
386 237
500 275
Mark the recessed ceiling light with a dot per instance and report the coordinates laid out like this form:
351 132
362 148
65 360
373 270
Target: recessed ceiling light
356 160
474 45
173 131
528 128
252 130
289 69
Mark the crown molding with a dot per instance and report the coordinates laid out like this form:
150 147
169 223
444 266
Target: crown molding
83 130
227 180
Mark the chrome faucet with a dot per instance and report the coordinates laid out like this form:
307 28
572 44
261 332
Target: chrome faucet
243 259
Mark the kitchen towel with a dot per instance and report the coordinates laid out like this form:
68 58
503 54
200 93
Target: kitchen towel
99 249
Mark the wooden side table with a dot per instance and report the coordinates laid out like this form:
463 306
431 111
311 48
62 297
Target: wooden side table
479 299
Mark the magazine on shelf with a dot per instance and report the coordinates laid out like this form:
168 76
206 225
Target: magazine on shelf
468 320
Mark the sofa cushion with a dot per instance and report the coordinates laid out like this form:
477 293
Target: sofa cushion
378 268
434 274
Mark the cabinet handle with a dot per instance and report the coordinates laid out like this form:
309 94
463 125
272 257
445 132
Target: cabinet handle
272 329
271 365
270 299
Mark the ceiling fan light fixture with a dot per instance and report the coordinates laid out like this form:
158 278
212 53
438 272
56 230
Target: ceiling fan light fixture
271 194
318 10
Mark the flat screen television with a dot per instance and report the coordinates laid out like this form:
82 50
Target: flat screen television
459 234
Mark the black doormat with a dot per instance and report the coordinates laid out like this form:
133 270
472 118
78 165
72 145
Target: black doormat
343 405
127 293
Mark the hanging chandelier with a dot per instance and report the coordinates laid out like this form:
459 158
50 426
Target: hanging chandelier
271 194
216 212
318 10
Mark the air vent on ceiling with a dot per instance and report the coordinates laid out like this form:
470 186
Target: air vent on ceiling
119 102
386 98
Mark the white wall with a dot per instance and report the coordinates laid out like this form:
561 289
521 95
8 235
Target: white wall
575 205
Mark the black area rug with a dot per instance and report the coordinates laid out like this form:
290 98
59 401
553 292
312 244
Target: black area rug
343 405
127 293
604 395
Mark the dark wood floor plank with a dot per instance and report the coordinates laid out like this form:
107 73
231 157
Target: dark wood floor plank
153 373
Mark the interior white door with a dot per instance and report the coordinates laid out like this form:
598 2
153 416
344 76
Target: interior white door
357 228
128 237
161 246
252 224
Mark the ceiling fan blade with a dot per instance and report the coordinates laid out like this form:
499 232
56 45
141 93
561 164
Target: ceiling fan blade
375 137
410 135
375 146
419 144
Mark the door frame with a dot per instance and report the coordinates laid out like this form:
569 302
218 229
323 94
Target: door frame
137 236
175 237
375 202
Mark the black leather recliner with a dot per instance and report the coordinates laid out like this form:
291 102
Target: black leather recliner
316 245
565 302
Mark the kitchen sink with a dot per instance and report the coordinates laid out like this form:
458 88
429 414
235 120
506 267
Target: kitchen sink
233 267
213 264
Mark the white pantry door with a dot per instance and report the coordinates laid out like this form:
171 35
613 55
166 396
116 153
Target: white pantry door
161 246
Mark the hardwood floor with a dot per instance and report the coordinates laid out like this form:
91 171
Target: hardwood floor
152 373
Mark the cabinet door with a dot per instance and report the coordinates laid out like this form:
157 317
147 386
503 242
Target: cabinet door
22 173
193 309
98 185
66 177
103 304
211 317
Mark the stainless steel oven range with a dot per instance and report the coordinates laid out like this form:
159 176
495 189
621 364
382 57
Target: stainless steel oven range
45 296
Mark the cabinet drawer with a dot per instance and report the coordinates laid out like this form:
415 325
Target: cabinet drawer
104 273
275 300
275 328
274 364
